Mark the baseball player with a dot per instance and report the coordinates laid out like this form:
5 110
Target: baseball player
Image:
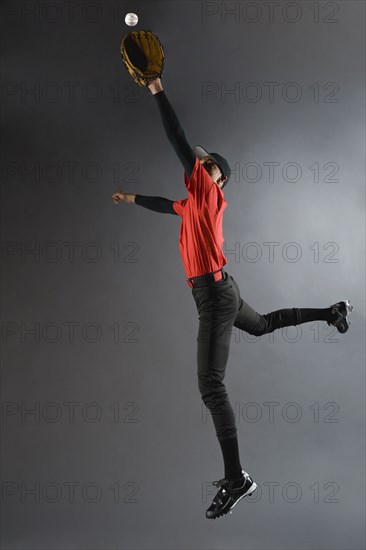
216 293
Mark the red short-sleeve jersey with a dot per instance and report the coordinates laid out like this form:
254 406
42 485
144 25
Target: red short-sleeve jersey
201 239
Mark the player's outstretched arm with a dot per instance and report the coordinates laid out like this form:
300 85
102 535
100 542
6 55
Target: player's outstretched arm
158 204
173 128
143 56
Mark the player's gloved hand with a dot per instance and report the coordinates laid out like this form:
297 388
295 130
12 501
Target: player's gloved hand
143 56
122 196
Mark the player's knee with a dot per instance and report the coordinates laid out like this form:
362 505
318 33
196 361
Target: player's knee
209 383
264 326
227 432
204 387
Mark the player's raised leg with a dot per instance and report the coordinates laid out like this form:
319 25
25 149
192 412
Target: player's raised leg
252 322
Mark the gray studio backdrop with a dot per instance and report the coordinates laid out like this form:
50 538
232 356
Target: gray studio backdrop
106 443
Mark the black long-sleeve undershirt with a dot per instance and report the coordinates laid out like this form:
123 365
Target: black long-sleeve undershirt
158 204
175 133
177 138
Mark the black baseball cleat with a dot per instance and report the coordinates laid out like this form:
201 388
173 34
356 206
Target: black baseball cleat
228 496
341 310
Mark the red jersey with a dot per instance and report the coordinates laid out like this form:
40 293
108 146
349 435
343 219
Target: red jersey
201 239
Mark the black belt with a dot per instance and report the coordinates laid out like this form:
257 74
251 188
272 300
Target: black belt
205 280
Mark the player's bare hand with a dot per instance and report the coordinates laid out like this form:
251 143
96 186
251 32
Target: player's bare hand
122 196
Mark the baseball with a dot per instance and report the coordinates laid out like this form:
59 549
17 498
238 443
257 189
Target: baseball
131 19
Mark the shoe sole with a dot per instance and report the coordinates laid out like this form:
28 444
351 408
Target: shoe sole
249 492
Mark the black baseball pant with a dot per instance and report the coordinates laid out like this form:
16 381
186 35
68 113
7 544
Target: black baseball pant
221 307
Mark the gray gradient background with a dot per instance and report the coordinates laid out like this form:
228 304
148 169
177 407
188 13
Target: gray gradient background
170 452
